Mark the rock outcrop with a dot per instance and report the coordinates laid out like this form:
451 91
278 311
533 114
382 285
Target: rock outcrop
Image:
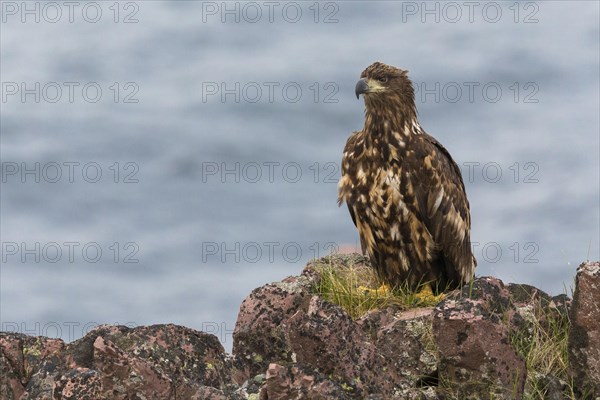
475 352
116 362
381 353
584 339
291 343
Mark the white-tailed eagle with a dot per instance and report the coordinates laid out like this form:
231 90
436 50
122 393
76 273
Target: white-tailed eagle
405 194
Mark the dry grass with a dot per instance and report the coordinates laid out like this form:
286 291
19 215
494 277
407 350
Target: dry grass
342 278
543 345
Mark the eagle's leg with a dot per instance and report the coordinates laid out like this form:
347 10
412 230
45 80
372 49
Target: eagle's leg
426 295
384 289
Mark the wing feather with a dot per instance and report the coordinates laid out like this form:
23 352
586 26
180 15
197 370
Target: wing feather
443 206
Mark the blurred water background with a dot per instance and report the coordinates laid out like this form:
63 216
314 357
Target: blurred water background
162 159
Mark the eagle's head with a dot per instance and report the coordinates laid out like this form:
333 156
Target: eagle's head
387 90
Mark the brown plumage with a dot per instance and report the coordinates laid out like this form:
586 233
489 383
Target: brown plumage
405 194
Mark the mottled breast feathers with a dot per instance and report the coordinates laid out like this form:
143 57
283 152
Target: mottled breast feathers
405 194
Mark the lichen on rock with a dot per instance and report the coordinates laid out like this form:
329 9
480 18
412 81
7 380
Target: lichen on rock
297 339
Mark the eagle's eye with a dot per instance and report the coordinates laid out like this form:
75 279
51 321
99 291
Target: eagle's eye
383 79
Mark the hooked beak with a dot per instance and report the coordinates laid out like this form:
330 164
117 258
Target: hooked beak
361 87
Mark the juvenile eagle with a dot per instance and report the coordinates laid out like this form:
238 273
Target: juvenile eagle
405 194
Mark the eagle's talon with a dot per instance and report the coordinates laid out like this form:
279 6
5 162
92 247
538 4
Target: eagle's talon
382 290
426 296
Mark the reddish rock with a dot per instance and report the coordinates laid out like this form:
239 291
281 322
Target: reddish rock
584 338
21 359
295 382
325 337
183 354
406 344
291 343
476 356
259 336
285 324
11 371
116 362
